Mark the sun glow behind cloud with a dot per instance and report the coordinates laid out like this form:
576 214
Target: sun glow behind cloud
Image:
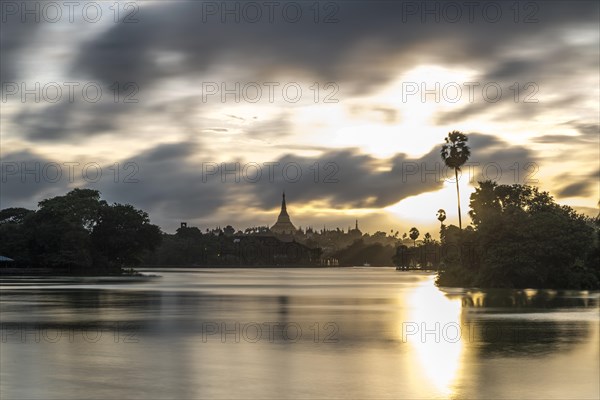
422 209
359 121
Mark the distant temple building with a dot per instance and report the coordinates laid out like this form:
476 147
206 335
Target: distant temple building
284 225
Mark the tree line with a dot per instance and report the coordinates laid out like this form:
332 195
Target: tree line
519 237
78 233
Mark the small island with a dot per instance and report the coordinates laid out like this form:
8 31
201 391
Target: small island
77 234
519 238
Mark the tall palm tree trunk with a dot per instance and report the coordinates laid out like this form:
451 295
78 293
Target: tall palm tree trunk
458 198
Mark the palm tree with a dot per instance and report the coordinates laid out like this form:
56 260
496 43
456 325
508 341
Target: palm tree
441 216
455 153
414 235
427 238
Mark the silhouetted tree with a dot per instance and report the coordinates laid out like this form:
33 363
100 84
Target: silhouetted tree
455 153
414 235
60 230
229 230
521 238
14 235
14 215
78 232
441 216
121 235
427 238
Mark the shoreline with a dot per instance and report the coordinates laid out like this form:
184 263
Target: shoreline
133 272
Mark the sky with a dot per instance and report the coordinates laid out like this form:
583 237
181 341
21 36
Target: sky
205 112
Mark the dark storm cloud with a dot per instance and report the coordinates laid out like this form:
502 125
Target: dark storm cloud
15 36
380 30
169 152
372 43
28 178
510 69
524 88
487 148
349 179
174 184
169 181
163 180
67 120
166 181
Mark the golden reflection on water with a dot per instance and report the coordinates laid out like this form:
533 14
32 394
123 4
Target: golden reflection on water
436 348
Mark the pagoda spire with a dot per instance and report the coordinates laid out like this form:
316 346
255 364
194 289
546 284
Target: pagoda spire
283 206
284 224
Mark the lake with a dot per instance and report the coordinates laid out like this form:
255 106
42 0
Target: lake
293 333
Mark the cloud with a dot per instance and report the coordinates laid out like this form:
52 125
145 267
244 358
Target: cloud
69 121
15 38
579 186
174 184
171 49
588 133
588 130
166 181
216 130
28 178
366 48
576 189
362 48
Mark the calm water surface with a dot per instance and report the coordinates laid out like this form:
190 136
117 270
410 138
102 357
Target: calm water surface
293 333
